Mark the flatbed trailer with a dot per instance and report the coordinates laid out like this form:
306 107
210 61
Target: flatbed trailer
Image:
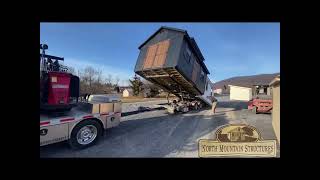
260 104
82 126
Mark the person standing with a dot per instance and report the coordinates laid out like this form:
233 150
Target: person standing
214 104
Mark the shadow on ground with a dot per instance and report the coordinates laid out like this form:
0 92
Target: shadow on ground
141 109
236 105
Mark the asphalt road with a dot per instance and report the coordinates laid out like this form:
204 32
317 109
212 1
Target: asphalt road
155 133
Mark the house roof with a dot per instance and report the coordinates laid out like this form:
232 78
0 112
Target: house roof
275 81
162 27
189 39
242 86
246 81
129 90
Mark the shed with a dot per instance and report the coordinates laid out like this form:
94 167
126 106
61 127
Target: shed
240 93
171 59
275 84
237 134
127 92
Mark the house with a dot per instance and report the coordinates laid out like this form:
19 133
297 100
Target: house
260 80
241 93
127 92
217 91
220 89
275 84
261 89
122 88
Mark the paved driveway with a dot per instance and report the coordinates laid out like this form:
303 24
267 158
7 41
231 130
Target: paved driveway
155 133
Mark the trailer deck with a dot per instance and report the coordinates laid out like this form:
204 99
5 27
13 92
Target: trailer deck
171 80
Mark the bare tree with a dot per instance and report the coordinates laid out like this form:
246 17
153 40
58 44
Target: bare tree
93 81
99 76
90 72
117 80
109 80
71 70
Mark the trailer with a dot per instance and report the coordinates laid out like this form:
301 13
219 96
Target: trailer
84 124
171 59
261 104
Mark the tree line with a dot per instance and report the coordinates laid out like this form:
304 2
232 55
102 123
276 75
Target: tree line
92 81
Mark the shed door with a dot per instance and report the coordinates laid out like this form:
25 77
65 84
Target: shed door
161 54
156 55
150 56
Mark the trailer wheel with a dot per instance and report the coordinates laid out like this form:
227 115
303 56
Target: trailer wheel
85 134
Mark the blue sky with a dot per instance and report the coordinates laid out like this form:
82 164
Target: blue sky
229 49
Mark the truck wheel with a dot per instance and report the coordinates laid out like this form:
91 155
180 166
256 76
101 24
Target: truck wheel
85 134
254 109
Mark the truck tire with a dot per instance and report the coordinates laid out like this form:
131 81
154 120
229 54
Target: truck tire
85 134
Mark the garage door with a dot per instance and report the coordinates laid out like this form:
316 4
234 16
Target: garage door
240 93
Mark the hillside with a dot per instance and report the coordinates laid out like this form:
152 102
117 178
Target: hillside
246 81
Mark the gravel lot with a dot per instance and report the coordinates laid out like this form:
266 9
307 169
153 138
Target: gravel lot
155 133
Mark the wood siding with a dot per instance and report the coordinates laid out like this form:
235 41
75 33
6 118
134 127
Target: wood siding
156 55
148 62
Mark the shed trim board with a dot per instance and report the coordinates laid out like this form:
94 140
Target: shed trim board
275 84
275 81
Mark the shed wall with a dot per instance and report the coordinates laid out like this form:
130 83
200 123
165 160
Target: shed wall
276 110
191 67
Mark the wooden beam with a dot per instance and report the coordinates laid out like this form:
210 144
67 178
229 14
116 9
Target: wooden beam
155 76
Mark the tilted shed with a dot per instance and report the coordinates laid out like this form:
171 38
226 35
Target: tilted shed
171 59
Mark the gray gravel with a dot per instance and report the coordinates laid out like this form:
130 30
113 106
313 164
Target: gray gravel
157 134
